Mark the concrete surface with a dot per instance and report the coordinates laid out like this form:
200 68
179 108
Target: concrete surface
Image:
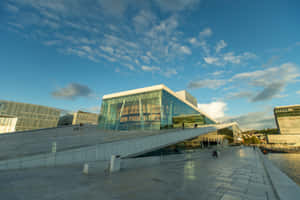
124 146
284 187
237 174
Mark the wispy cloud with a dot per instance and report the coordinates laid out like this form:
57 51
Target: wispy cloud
185 50
207 83
228 58
52 42
237 59
254 120
239 95
272 80
104 31
169 72
212 60
72 91
150 68
207 32
259 85
218 73
220 45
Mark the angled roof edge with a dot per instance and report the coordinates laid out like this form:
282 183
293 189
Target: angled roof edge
154 88
5 101
289 106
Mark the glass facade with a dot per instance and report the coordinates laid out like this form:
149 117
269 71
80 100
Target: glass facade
151 110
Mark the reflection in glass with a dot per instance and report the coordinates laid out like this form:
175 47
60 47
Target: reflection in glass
143 111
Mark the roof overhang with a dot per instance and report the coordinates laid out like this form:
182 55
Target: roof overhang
289 106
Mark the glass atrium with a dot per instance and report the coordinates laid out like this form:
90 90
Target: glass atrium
149 110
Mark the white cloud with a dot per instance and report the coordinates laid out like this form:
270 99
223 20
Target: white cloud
107 49
87 49
214 109
217 73
131 67
52 42
227 58
185 50
285 72
73 51
150 69
212 60
230 57
193 41
220 45
169 72
207 32
143 20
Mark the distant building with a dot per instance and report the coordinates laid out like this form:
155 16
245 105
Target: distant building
81 117
65 120
150 108
288 119
28 116
288 123
7 124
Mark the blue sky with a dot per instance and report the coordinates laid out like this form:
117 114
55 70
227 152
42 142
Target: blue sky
238 58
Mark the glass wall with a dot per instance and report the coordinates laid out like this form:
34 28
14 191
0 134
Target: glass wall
133 112
173 107
145 111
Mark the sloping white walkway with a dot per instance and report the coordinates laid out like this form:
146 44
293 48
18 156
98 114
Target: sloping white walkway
125 148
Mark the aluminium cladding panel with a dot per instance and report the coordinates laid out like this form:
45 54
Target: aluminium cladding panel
30 116
289 125
288 119
7 124
283 139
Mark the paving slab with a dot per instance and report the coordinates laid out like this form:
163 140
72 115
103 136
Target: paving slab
237 174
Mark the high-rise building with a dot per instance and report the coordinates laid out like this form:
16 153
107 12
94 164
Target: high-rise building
149 108
28 116
288 119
